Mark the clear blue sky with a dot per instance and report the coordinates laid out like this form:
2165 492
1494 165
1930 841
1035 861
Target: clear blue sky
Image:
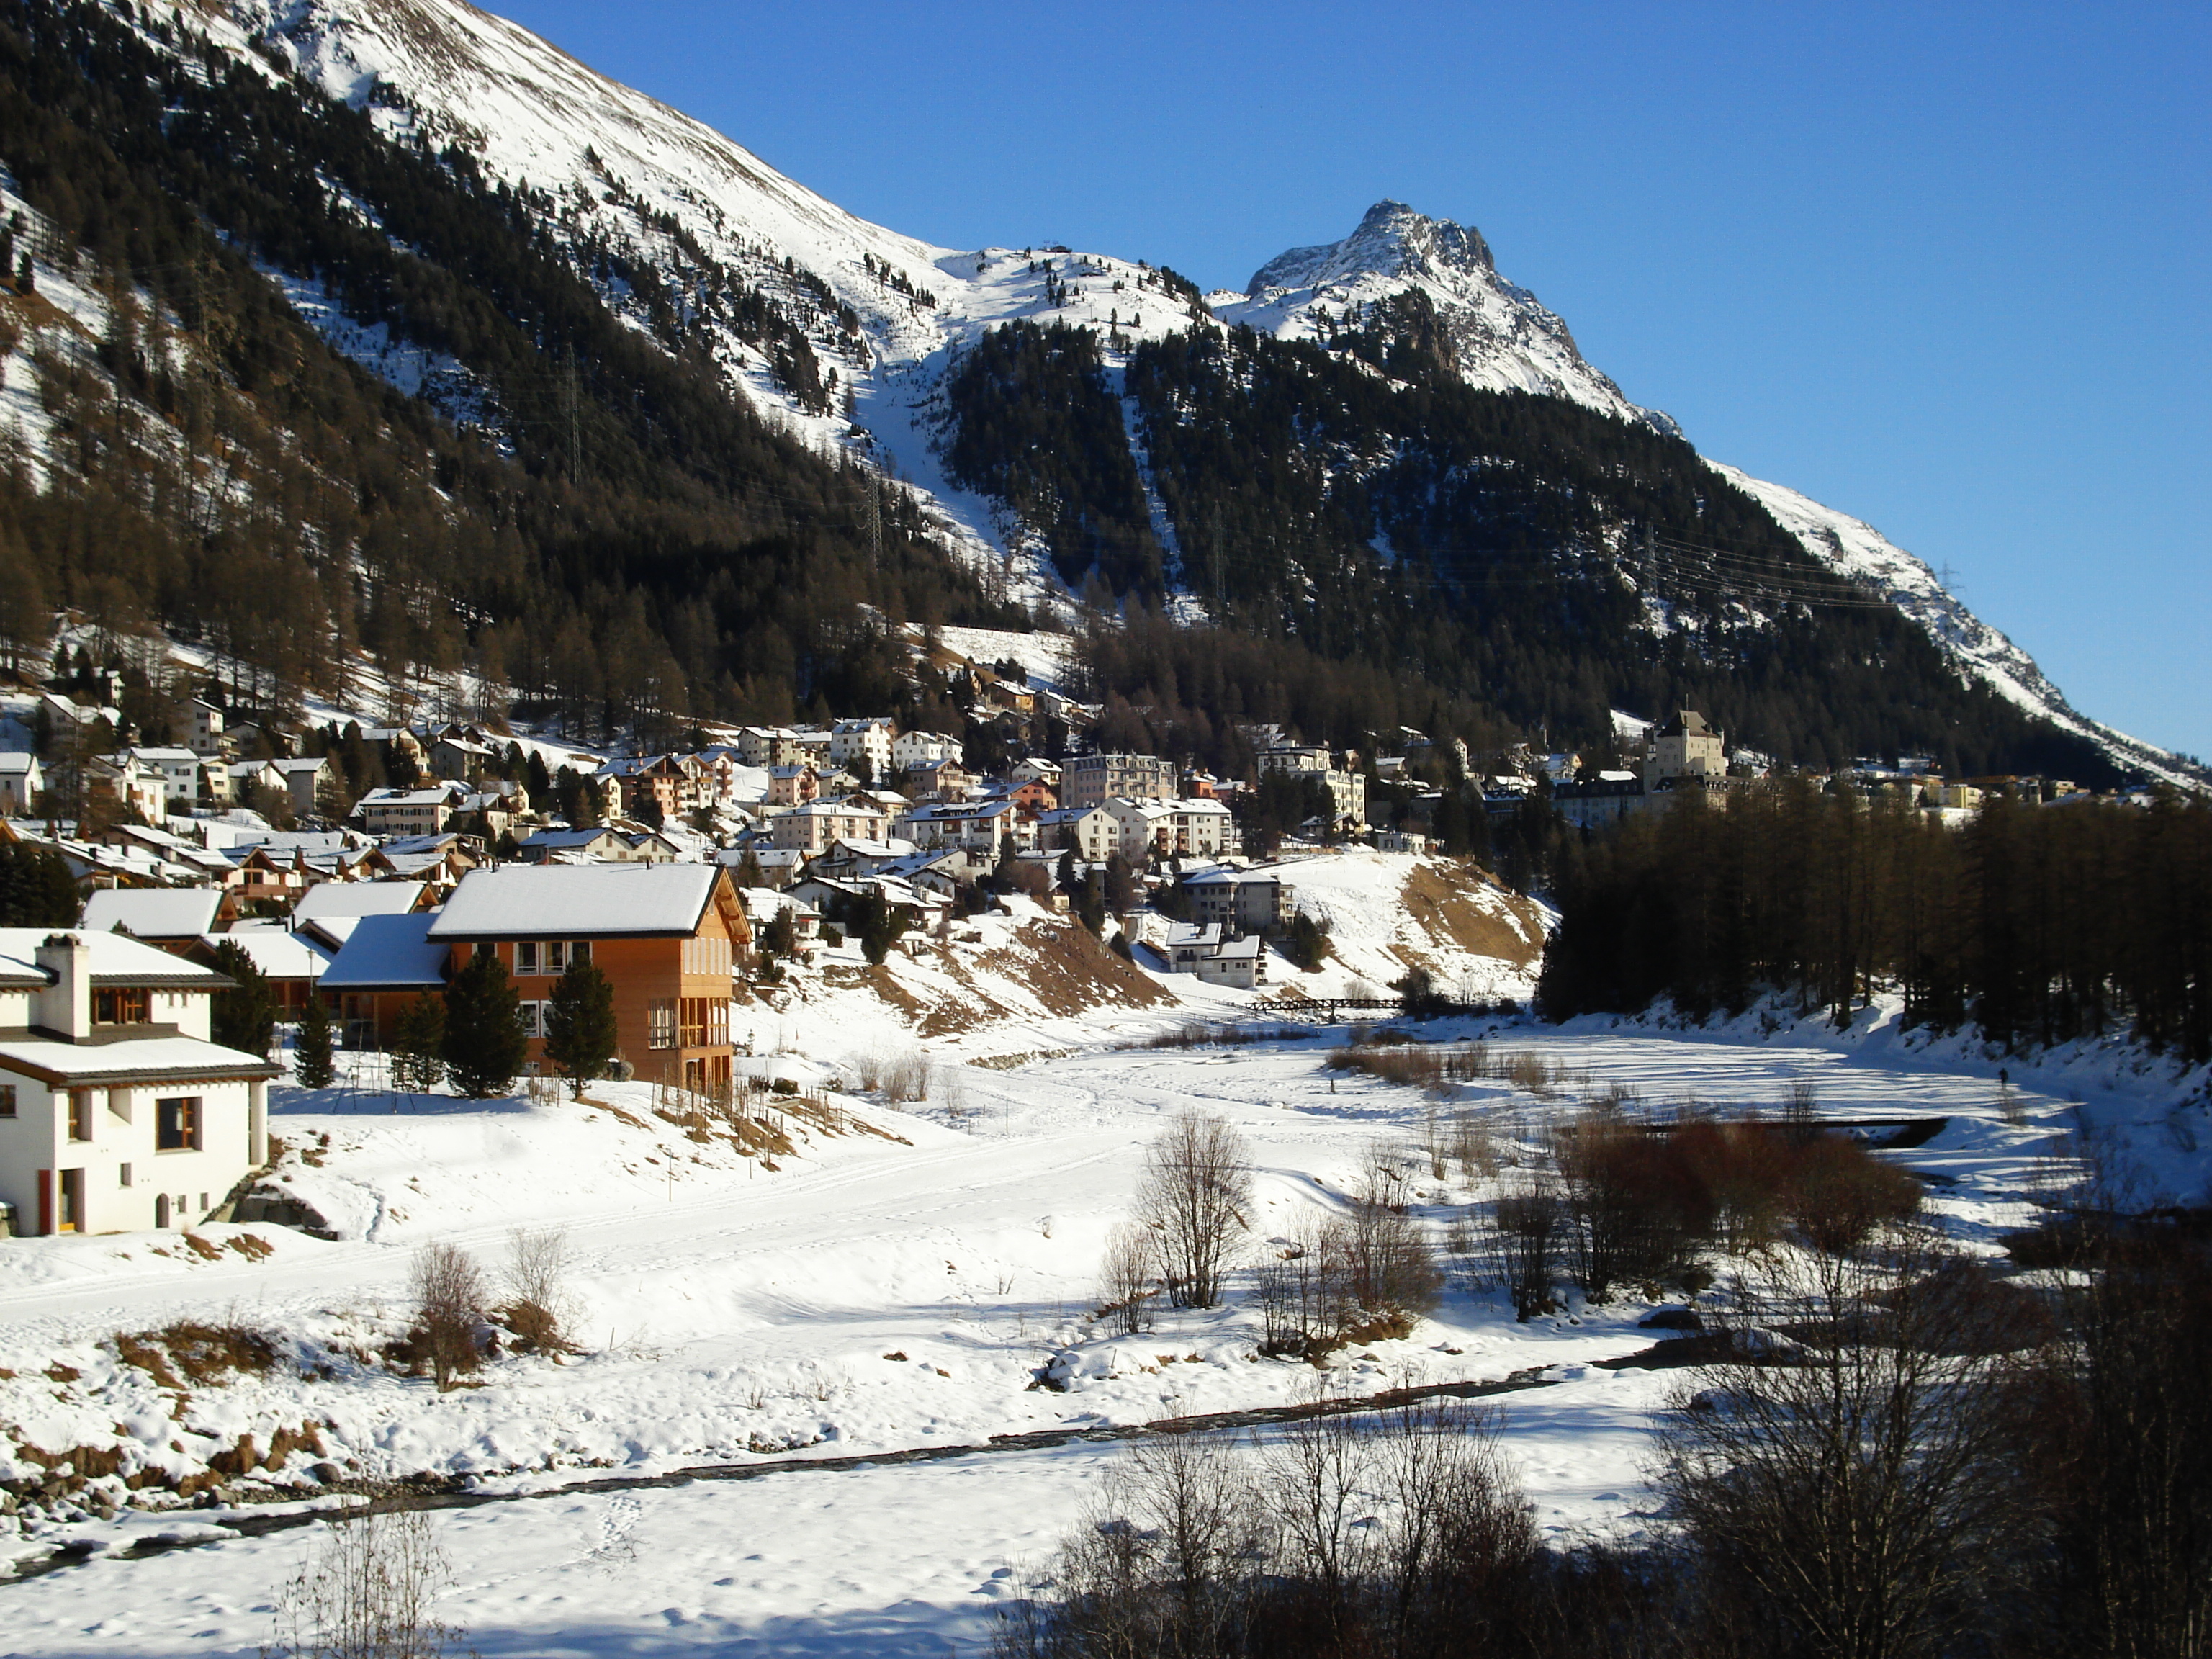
1942 267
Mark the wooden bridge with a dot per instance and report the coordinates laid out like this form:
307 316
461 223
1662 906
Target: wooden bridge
1327 1009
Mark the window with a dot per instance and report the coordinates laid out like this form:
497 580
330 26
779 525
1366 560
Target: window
80 1114
557 957
177 1124
526 956
125 1171
533 1019
121 1007
7 1100
660 1024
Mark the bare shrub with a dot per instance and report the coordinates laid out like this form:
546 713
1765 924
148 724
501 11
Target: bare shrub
1300 1290
1128 1278
1525 1227
1840 1194
450 1296
1195 1188
1474 1148
1402 1533
368 1591
1391 1277
1634 1207
1366 1273
536 1282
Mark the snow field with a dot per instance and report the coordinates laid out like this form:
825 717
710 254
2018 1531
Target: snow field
871 1296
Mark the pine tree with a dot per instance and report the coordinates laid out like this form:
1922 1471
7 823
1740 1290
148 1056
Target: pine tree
580 1024
314 1062
36 888
245 1016
484 1044
418 1045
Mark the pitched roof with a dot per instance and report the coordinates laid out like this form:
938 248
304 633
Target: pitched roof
388 953
357 898
153 912
578 901
279 954
115 960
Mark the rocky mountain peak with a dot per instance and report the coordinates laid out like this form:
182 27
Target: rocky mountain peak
1392 240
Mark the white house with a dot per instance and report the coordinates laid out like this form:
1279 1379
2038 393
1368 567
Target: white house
21 780
117 1113
1093 780
985 827
1241 901
912 750
849 739
810 828
1194 829
1089 832
302 780
408 811
180 773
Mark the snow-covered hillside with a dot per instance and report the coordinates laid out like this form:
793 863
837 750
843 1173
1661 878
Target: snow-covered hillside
628 174
1856 549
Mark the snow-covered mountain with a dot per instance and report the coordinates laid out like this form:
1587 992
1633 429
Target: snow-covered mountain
1504 338
629 173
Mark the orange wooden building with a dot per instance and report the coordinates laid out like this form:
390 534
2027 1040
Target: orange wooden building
669 938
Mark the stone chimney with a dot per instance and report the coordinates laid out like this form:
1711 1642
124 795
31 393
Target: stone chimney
65 1007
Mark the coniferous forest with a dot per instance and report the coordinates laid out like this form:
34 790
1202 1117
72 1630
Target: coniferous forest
1376 543
2031 924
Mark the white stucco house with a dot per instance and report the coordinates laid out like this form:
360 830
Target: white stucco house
117 1112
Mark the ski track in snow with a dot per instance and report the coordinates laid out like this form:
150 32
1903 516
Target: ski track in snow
971 1254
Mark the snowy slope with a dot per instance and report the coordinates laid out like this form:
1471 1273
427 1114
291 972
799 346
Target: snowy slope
1857 550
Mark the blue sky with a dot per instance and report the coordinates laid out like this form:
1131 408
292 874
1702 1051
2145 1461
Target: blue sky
1944 268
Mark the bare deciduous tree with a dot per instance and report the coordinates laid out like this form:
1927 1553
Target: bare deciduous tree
367 1591
1128 1278
1855 1496
449 1308
1196 1187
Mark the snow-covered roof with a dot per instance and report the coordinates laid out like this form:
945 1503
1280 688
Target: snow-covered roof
279 954
556 839
149 1060
388 952
578 901
437 797
357 898
153 912
117 959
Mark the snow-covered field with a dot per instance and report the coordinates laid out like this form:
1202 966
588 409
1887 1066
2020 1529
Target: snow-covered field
870 1295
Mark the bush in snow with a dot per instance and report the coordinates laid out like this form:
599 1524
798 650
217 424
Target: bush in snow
449 1309
536 1283
368 1591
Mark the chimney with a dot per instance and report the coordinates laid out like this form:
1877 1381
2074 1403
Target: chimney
65 1007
